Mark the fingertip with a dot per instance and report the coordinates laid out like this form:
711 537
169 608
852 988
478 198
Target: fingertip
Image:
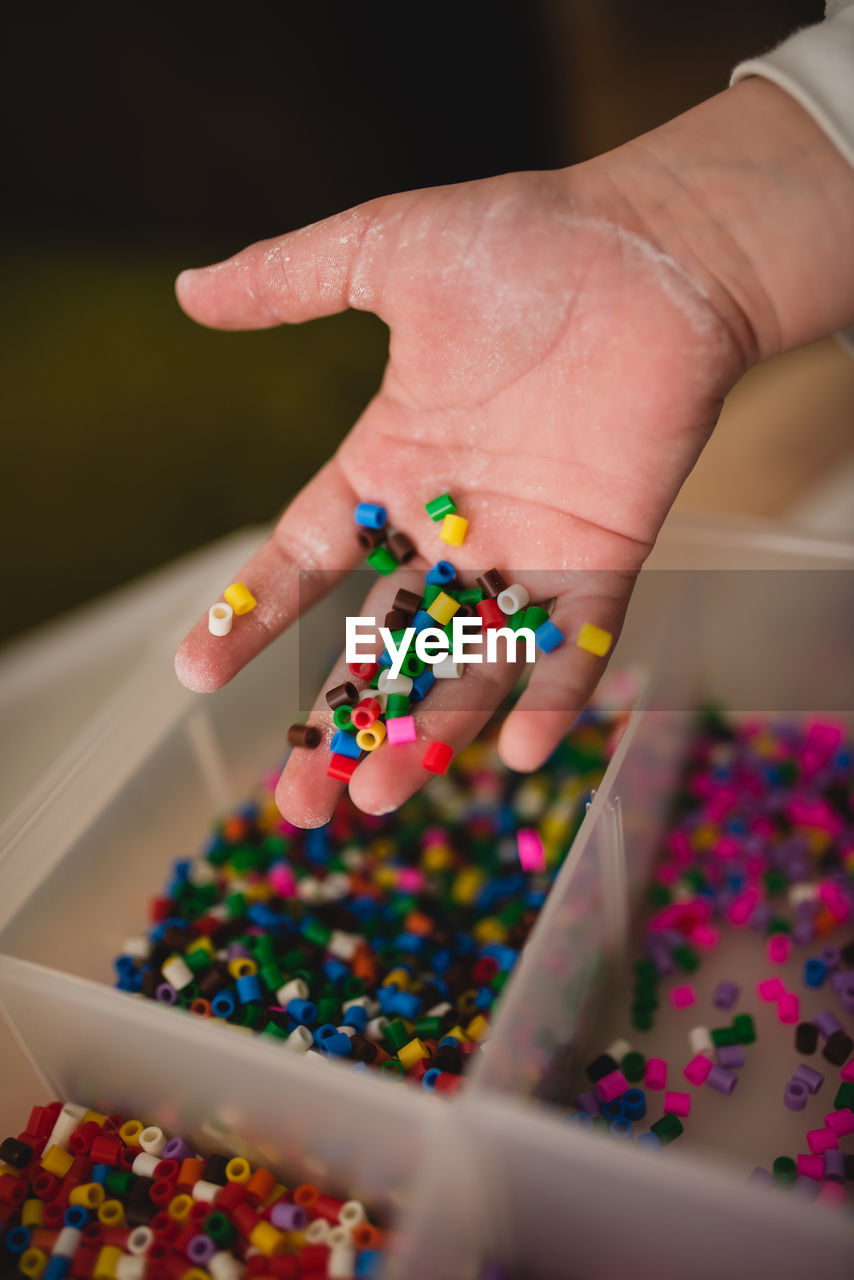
303 806
194 672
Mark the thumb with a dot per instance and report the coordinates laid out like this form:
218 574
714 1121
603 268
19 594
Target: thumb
321 269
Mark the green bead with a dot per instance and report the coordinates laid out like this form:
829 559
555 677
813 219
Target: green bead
645 970
724 1036
499 982
248 859
236 904
633 1066
694 879
668 1128
397 704
316 932
438 508
429 1028
352 987
775 882
645 998
274 1031
220 1230
785 1170
778 925
118 1182
382 560
642 1019
535 616
328 1010
342 719
250 1015
272 976
686 958
412 666
744 1027
516 620
659 895
375 680
188 994
294 959
396 1035
431 591
197 959
601 1122
844 1096
392 1067
469 595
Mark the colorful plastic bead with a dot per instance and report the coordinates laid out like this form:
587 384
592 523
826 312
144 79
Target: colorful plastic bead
726 994
437 757
594 639
532 855
382 560
656 1073
698 1069
370 514
400 729
304 735
806 1037
240 598
443 608
436 508
548 637
454 530
511 599
721 1080
795 1095
341 767
220 618
679 1104
683 997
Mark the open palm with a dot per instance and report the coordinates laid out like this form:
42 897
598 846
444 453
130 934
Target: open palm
549 367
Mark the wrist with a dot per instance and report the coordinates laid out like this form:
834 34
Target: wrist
756 204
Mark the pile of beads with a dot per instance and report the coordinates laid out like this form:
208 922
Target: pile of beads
89 1195
763 844
383 941
382 710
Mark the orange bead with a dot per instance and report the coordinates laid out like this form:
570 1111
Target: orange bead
260 1184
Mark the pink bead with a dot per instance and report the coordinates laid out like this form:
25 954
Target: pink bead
742 907
283 880
770 989
832 1193
821 1140
678 1103
697 1070
788 1007
726 848
400 729
777 948
847 1072
705 936
655 1076
410 879
531 853
811 1167
612 1086
683 997
841 1122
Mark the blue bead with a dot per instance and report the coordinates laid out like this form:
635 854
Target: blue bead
441 574
248 988
223 1005
57 1268
385 658
370 515
422 621
316 843
650 1140
335 970
262 916
369 1264
409 942
634 1101
581 1120
18 1240
615 1109
428 1080
442 960
547 636
422 684
302 1011
356 1016
359 1066
622 1129
330 1040
76 1216
815 971
449 1040
405 1004
345 744
484 998
99 1173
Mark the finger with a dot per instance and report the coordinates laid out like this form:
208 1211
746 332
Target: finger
316 271
316 533
562 681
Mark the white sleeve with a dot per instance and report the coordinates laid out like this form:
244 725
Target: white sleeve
816 66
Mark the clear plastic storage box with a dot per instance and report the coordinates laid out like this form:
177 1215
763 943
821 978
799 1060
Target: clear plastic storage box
497 1173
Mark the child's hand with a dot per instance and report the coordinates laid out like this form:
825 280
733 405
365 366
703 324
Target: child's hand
551 367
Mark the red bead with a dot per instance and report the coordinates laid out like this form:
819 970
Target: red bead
364 670
185 1236
232 1194
164 1227
127 1155
106 1149
327 1207
112 1124
485 970
41 1121
82 1138
53 1214
437 757
93 1233
168 1170
13 1191
80 1172
245 1219
448 1083
162 1191
364 715
198 1213
45 1185
84 1262
341 767
489 611
160 909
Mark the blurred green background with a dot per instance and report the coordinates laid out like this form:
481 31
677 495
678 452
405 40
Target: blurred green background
141 139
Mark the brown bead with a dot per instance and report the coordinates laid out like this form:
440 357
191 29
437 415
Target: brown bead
465 611
396 621
401 547
369 539
343 695
303 735
406 602
491 583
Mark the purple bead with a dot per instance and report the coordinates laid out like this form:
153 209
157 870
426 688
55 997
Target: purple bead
201 1249
761 917
848 999
806 1187
761 1175
827 1023
803 933
176 1149
237 952
730 1056
726 994
830 956
795 1095
839 981
834 1166
722 1080
810 1077
588 1102
288 1217
166 993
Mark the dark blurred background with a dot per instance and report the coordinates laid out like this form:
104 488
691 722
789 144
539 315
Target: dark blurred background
143 138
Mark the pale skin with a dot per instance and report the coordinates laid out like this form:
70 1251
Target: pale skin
560 345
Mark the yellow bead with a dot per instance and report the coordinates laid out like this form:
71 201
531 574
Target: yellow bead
32 1262
112 1213
57 1161
467 886
454 530
276 1194
238 1170
240 598
267 1238
201 944
89 1194
399 977
179 1207
443 608
93 1117
259 892
478 1028
411 1053
130 1131
489 930
32 1213
594 639
242 967
106 1262
385 877
458 1033
372 737
437 858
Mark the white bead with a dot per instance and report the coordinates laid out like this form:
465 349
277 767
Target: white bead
224 1266
317 1232
177 972
447 669
335 886
145 1164
381 696
130 1268
376 1028
138 947
343 945
300 1040
152 1140
310 889
388 683
352 1212
339 1236
802 892
139 1240
700 1041
360 1002
618 1050
296 989
353 858
341 1263
67 1242
220 618
438 1010
65 1124
205 1191
512 599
